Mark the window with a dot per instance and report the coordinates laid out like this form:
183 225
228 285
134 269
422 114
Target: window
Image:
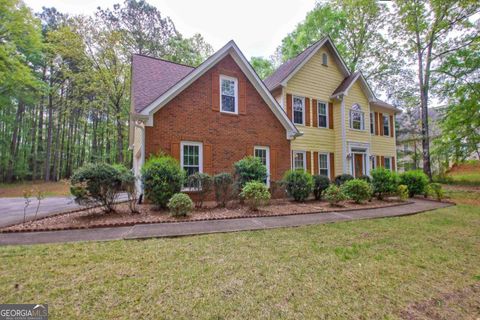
323 164
356 118
388 163
374 164
386 125
298 110
191 157
322 114
263 153
324 59
372 123
229 94
299 160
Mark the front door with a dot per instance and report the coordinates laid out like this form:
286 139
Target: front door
358 164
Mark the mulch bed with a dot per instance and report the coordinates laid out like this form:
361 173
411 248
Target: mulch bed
96 218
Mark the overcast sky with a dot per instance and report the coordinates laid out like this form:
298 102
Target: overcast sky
257 26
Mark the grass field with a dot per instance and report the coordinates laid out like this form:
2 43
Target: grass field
375 269
50 189
467 173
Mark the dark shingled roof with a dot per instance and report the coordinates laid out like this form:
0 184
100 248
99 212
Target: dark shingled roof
285 69
152 77
346 83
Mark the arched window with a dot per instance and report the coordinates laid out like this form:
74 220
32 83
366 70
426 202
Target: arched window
357 118
324 59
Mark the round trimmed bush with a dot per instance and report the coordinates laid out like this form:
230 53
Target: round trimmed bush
298 184
402 192
341 179
180 205
320 183
162 177
415 180
255 194
249 169
384 182
334 195
357 190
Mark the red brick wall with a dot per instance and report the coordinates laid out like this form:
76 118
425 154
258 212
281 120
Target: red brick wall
190 117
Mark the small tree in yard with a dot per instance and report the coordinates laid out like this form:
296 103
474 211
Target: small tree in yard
256 194
162 177
223 183
320 183
249 169
298 183
202 183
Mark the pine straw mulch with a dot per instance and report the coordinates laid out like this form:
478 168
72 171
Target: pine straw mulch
95 218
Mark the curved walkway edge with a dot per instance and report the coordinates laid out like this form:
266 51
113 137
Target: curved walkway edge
158 230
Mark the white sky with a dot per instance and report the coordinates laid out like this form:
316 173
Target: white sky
257 26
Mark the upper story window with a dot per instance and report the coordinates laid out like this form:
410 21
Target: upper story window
298 110
372 123
325 59
357 120
229 94
299 160
386 125
322 114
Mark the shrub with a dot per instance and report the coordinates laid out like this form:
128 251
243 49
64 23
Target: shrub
384 182
97 183
298 184
255 194
402 192
202 184
357 190
435 189
334 195
365 178
180 205
223 183
127 180
415 180
249 169
320 183
341 179
162 177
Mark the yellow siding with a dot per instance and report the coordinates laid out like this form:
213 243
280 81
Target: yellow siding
356 95
381 145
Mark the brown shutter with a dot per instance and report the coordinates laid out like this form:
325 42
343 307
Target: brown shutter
249 151
309 161
315 162
307 112
273 164
215 91
391 126
207 159
330 115
393 164
242 97
380 123
289 106
175 150
376 124
382 160
315 113
332 166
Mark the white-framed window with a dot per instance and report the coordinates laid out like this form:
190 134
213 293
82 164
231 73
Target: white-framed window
298 110
372 123
228 94
357 120
324 164
299 160
263 153
388 163
322 114
324 59
386 125
191 157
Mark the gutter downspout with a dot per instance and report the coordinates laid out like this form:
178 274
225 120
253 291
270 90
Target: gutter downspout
142 158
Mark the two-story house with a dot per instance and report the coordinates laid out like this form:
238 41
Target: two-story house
346 129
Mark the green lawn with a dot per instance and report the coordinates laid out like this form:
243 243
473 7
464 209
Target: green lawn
372 269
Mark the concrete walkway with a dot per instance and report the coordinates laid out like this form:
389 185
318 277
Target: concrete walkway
11 209
144 231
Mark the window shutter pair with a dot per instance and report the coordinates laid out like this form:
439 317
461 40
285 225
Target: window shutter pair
207 155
